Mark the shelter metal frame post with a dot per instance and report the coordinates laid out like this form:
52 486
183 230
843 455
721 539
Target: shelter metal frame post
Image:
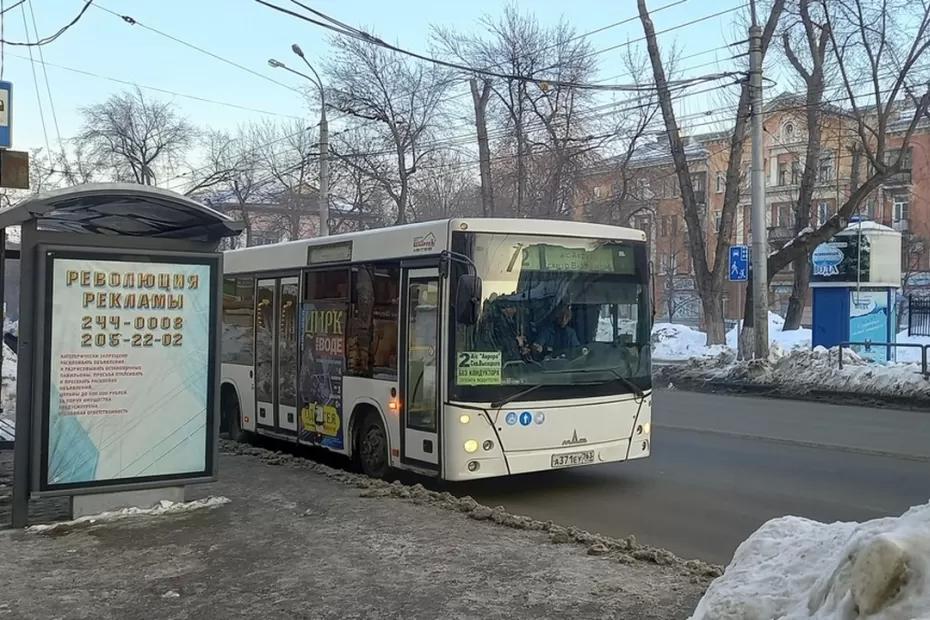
24 376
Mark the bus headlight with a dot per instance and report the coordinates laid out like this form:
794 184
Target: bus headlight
464 418
647 428
471 446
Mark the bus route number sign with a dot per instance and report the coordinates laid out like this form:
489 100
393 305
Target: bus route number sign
478 368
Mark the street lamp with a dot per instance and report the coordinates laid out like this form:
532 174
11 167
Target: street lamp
324 134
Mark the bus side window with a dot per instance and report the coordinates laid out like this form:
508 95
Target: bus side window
372 330
238 320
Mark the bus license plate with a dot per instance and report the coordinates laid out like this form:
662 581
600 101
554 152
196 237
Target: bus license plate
573 458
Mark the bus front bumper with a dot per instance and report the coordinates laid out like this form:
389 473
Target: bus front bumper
526 461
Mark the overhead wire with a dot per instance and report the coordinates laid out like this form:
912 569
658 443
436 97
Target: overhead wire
49 39
48 87
35 80
134 22
355 33
162 90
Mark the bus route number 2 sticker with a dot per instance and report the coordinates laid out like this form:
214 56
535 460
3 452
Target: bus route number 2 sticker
478 368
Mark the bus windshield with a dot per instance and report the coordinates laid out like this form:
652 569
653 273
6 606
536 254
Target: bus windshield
570 316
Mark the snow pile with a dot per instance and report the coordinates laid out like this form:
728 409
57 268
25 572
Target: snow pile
805 370
793 569
680 342
8 391
164 507
672 342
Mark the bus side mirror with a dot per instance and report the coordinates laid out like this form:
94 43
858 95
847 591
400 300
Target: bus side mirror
468 299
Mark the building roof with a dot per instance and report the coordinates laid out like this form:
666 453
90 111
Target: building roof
124 209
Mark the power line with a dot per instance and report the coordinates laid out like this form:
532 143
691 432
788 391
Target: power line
48 87
35 80
162 90
52 37
134 22
352 32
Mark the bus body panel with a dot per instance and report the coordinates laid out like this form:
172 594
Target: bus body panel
359 392
240 378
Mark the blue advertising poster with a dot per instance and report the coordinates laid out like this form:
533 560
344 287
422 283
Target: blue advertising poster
129 347
321 368
868 320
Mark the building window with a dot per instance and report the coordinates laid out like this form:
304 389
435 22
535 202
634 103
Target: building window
795 173
788 131
824 212
825 168
718 220
900 208
783 173
721 182
598 191
891 155
668 225
782 215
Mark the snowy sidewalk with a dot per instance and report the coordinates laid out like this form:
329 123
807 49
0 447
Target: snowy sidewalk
301 540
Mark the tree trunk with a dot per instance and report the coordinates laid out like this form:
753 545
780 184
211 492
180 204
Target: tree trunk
798 300
484 151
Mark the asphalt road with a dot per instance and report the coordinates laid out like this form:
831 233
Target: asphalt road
723 465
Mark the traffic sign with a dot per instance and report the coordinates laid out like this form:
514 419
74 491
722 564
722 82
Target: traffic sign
739 263
6 103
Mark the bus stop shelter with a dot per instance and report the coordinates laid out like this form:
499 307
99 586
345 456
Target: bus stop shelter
118 346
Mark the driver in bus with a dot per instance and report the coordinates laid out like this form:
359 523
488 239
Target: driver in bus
506 331
557 338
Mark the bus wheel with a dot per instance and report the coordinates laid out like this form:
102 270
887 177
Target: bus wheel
231 416
372 446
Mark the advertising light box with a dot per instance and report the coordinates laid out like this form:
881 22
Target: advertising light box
129 377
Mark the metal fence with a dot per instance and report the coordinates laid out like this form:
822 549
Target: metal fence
868 345
918 315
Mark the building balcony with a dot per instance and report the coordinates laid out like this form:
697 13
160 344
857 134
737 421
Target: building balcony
901 226
899 180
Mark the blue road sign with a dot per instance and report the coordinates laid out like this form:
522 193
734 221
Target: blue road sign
739 263
6 105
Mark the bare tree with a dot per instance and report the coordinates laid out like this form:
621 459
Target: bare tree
446 189
480 100
805 46
400 97
876 58
135 136
709 278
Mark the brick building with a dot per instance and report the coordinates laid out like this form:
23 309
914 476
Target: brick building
651 200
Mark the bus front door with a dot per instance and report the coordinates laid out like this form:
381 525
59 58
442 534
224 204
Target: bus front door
420 377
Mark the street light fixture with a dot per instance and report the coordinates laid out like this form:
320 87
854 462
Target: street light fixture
324 134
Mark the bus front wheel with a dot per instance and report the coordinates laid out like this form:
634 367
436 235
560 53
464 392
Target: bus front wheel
373 446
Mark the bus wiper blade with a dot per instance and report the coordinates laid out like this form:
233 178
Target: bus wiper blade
497 404
635 389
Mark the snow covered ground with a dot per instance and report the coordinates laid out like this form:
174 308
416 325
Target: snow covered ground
674 342
803 370
793 568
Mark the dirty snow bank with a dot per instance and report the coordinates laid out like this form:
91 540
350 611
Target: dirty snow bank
622 550
804 370
793 568
164 507
673 342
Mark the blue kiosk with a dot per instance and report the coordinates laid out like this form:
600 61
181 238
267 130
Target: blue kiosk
855 278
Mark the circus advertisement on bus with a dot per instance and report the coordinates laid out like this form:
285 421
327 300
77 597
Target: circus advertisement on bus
321 369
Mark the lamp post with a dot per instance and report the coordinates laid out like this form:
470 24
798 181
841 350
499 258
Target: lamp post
324 134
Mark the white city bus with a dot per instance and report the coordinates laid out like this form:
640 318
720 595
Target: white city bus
462 349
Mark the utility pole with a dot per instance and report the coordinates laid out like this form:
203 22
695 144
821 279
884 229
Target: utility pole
324 173
760 250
